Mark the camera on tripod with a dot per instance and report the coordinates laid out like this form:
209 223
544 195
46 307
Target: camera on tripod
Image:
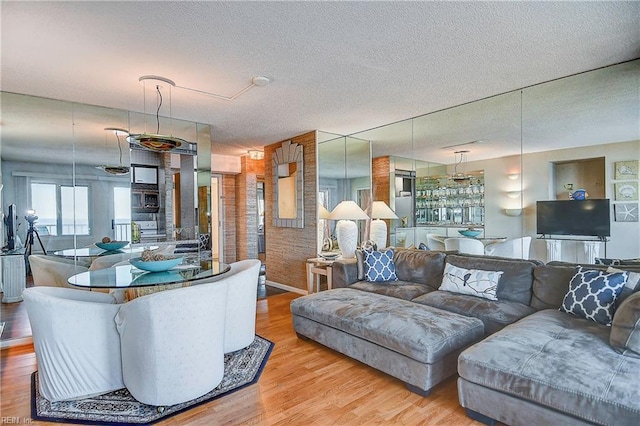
31 217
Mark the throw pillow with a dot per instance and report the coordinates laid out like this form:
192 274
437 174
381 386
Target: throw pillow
360 263
616 262
632 285
379 266
592 294
474 282
625 329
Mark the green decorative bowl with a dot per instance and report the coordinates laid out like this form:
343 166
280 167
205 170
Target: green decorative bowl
470 232
112 245
155 265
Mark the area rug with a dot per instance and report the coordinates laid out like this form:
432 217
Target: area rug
241 369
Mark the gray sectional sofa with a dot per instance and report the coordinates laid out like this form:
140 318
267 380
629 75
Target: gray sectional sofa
519 359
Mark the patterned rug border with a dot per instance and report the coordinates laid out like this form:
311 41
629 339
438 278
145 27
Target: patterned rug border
167 414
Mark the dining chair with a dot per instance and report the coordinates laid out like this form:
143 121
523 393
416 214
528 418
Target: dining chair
464 245
435 242
517 248
109 260
76 342
242 278
53 271
172 343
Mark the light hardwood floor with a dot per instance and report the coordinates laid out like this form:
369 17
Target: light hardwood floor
303 383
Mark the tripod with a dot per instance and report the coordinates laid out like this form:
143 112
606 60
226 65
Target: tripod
29 244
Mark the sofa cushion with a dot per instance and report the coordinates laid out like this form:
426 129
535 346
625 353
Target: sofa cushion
399 289
632 285
495 315
592 294
614 262
559 361
379 266
517 275
422 333
473 282
420 266
550 284
625 328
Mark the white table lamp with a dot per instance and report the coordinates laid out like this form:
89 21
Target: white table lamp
346 229
378 228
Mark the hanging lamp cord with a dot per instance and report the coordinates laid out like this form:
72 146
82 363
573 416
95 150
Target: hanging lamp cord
158 110
119 147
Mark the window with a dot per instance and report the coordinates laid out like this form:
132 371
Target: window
62 209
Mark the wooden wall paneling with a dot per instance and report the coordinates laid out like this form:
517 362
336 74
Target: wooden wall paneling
229 254
287 249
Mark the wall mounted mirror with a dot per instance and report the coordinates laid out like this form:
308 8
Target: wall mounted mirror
288 181
344 173
52 160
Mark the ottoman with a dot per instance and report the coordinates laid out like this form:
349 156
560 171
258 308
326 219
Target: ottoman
415 343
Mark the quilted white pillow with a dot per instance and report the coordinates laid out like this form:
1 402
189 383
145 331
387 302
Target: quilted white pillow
474 282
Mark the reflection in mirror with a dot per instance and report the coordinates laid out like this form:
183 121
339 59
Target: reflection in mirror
288 180
575 131
344 173
53 155
414 158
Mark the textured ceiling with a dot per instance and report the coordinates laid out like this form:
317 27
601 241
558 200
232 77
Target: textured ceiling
341 67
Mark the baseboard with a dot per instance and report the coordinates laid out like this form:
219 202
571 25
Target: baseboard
285 287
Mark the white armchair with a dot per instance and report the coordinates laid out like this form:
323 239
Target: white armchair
435 242
76 342
53 271
517 248
242 279
464 245
172 343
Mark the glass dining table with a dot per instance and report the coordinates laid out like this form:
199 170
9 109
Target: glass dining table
94 252
128 276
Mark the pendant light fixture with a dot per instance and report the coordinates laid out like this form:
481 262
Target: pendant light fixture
460 176
121 169
156 141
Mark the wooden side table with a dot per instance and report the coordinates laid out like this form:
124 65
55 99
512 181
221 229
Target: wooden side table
316 267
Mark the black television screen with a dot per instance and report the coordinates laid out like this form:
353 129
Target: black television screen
574 217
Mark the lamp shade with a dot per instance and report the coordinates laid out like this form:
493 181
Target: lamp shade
380 210
348 210
323 213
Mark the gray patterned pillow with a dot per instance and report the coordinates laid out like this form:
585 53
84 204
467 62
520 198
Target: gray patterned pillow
592 294
625 328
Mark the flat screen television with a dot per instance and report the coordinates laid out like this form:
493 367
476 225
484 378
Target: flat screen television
11 226
574 217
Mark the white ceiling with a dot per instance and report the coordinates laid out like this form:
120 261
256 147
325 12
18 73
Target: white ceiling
341 67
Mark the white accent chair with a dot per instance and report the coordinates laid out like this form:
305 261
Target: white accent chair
464 245
517 248
109 260
242 279
435 242
172 343
54 271
76 342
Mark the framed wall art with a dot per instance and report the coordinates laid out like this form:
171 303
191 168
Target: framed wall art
626 191
626 170
626 212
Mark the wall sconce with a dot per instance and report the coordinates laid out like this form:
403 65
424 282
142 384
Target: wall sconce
513 194
513 212
513 176
254 154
